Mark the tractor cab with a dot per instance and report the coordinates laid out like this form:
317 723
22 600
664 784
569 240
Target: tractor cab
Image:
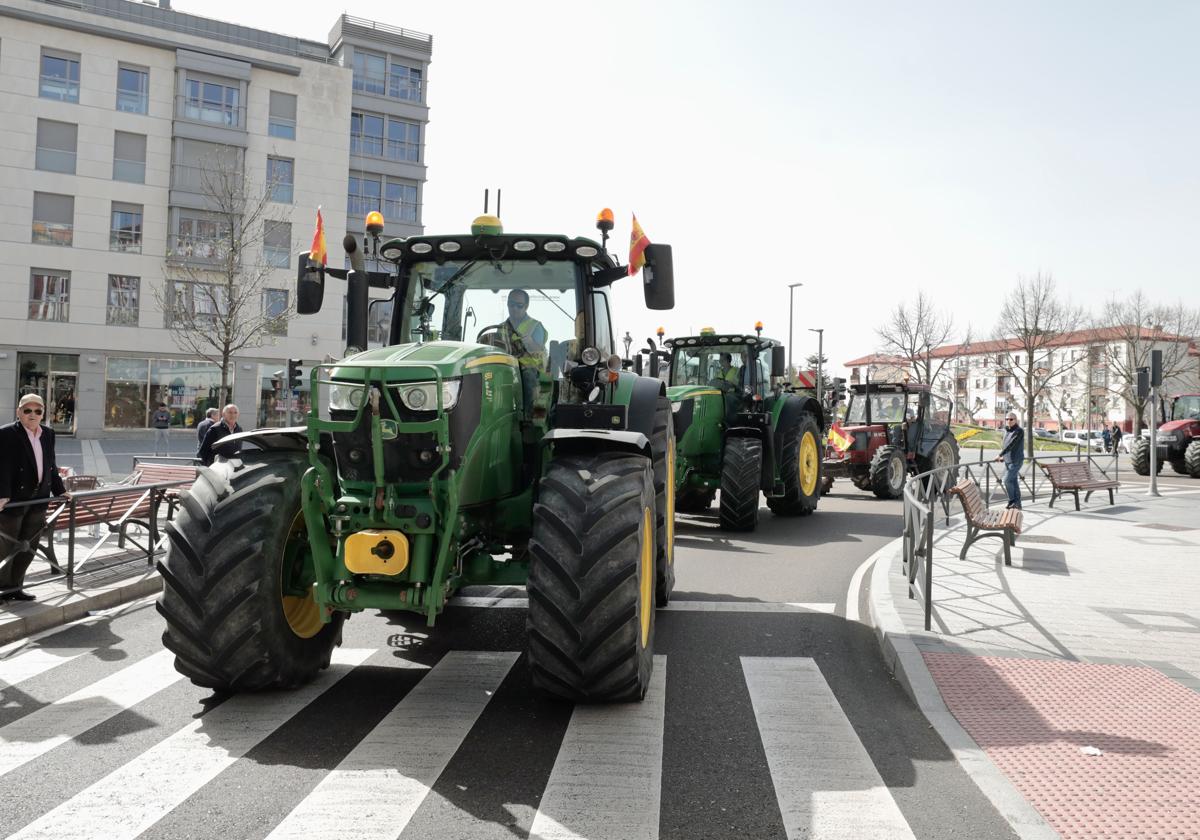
1185 409
738 368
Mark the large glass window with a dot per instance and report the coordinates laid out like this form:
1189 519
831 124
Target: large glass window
198 238
274 400
56 144
277 243
53 219
59 76
133 89
404 82
125 233
188 388
205 168
212 101
197 304
123 293
364 196
370 73
275 310
281 176
404 140
282 122
716 365
401 202
129 157
125 393
49 295
366 135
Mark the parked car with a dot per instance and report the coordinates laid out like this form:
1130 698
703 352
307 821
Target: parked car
1045 433
1081 438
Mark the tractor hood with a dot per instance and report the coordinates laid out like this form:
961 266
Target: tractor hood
1171 427
412 362
679 393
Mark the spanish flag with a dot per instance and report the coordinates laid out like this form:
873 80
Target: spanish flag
637 247
317 253
839 439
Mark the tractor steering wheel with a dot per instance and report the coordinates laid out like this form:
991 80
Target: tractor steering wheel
491 335
723 385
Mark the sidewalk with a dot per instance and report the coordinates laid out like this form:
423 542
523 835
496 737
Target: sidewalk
1091 639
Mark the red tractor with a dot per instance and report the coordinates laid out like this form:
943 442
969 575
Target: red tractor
895 430
1178 439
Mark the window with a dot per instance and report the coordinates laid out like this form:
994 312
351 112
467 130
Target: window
133 89
60 76
196 304
282 122
212 101
404 82
49 295
277 243
56 143
281 177
364 194
123 292
366 135
129 157
275 309
53 219
401 202
197 238
370 73
125 393
125 233
404 140
202 168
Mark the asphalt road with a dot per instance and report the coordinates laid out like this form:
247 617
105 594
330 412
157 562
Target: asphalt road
771 716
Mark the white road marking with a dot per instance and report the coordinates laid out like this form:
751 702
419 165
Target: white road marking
378 787
674 606
39 732
35 661
810 745
856 583
132 798
607 780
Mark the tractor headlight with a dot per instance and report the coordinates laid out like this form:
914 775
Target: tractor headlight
347 396
422 396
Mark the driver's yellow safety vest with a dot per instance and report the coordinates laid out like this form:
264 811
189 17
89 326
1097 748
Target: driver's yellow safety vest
733 375
529 354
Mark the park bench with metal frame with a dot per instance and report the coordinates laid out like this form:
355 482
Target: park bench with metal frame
1073 476
982 522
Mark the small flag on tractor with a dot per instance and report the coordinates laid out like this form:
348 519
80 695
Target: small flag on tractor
637 247
839 439
317 253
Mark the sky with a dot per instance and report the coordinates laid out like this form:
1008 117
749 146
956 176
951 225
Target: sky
867 150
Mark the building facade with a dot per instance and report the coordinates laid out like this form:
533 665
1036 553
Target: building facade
116 116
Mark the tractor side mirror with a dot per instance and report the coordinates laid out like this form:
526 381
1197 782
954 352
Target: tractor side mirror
637 364
779 361
310 286
658 277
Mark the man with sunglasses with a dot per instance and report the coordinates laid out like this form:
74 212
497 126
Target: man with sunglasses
526 339
27 471
1012 452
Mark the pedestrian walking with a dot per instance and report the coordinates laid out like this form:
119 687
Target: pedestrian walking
1117 434
1012 453
210 417
227 426
1108 438
28 471
161 420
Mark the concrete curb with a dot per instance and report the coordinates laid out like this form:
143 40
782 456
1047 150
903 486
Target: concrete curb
54 609
904 660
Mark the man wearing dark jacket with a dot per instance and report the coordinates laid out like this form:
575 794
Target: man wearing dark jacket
27 471
1012 453
227 426
210 417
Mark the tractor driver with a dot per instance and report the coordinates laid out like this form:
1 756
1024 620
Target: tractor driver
526 339
729 373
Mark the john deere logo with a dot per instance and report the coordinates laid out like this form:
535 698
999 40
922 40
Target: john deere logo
388 429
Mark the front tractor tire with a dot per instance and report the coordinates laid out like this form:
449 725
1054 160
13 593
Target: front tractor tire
741 472
943 457
235 620
1191 458
663 447
888 472
1139 456
591 578
800 469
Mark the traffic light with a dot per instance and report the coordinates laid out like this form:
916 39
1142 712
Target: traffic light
839 389
293 374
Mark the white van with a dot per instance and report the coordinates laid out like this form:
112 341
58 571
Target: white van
1079 437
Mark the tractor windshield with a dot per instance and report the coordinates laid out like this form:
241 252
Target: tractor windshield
522 307
1186 408
885 408
710 365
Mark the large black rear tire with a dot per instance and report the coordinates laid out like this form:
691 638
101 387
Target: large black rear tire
1179 465
591 578
888 472
663 446
741 472
1139 456
799 469
233 551
944 456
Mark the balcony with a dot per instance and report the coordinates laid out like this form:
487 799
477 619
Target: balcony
210 112
125 241
198 251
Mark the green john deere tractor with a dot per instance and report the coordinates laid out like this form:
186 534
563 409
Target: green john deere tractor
494 440
741 431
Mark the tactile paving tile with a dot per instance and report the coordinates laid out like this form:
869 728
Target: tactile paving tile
1032 717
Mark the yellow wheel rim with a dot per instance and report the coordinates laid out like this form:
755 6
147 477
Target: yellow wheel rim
808 464
302 613
647 572
670 501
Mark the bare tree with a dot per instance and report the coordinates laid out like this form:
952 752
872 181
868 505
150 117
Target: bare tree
1132 328
913 332
215 295
1033 322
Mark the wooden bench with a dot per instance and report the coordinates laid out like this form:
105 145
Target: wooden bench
982 522
1073 476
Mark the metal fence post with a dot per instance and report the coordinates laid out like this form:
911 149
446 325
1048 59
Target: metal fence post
929 570
70 543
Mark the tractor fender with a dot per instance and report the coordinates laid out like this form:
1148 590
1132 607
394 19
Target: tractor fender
792 408
291 439
643 397
591 441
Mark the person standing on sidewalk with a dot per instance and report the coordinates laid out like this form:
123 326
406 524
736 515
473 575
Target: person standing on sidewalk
161 420
1116 438
210 417
1012 453
27 471
227 426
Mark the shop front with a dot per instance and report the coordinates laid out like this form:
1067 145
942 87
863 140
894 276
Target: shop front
275 400
135 387
55 378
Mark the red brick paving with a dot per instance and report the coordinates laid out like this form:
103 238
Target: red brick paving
1033 716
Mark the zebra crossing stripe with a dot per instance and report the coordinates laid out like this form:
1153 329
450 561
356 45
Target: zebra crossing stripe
31 663
132 798
378 787
498 602
39 732
607 779
809 742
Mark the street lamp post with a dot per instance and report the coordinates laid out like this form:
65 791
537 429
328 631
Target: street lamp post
820 370
791 301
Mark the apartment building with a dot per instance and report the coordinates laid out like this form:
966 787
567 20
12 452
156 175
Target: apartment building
114 112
